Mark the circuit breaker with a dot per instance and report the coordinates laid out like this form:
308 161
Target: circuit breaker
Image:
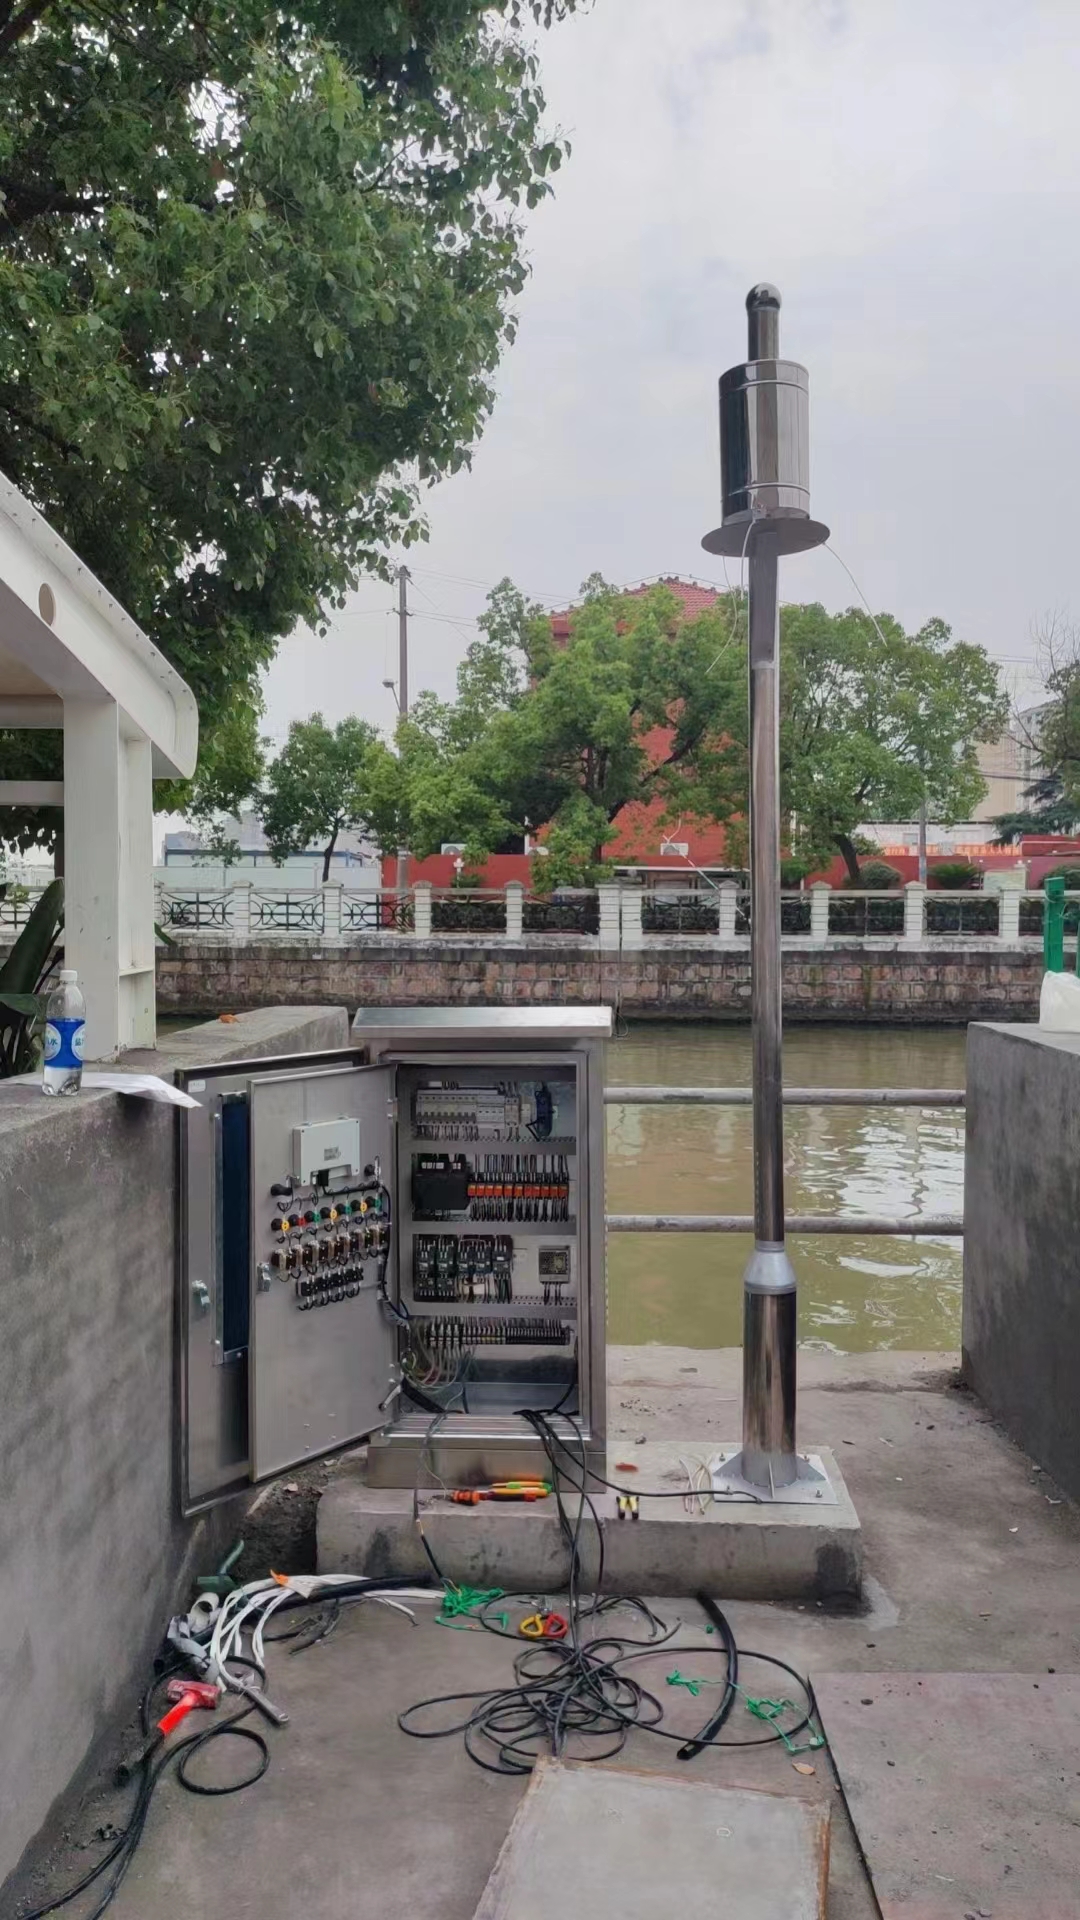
402 1241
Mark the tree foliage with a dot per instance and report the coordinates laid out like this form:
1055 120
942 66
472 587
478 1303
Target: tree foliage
876 720
638 705
319 785
257 266
641 704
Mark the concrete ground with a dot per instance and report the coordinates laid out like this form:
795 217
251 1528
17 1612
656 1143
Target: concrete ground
973 1563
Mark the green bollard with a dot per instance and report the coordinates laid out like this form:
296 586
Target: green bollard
1054 925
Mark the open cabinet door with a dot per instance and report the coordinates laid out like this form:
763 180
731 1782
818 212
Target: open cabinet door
321 1353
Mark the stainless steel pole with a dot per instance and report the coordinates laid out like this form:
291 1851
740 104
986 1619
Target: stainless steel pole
403 694
768 1441
764 459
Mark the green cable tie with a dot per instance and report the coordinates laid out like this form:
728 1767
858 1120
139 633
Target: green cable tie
677 1679
461 1602
771 1710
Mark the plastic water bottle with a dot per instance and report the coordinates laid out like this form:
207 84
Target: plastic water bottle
65 1035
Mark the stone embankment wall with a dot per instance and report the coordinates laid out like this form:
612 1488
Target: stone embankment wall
889 981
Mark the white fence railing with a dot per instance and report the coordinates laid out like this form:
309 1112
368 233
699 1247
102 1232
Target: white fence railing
615 915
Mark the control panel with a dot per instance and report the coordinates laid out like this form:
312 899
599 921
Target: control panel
488 1256
327 1238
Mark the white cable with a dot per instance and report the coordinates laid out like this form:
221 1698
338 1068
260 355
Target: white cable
727 643
831 549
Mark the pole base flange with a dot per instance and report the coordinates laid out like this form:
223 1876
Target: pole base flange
812 1487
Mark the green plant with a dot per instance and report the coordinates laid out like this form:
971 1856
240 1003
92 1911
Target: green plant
956 875
319 785
875 876
1070 875
794 872
23 979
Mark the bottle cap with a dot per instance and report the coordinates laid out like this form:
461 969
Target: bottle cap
69 973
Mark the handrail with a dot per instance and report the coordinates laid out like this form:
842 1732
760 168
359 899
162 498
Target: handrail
939 1225
793 1096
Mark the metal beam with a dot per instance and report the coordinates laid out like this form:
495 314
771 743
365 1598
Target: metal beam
792 1096
922 1224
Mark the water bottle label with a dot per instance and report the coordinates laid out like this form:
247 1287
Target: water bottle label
65 1041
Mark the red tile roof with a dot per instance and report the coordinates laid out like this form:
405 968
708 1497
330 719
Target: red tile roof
694 595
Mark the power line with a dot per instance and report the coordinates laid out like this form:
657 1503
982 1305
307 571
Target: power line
439 615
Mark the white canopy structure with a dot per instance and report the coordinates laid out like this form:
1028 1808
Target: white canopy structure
71 658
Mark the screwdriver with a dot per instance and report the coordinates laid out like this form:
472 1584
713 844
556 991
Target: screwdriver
502 1490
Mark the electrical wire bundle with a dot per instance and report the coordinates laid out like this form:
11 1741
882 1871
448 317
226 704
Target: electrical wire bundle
576 1696
220 1632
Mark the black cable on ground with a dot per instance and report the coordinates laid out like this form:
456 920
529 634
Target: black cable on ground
575 1691
153 1765
716 1720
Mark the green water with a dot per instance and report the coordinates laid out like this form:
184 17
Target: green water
855 1294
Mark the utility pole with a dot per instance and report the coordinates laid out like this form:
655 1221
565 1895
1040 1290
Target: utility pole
403 694
764 454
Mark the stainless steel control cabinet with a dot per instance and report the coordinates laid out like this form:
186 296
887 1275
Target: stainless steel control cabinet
402 1241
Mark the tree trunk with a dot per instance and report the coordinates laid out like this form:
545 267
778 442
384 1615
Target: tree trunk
328 855
850 857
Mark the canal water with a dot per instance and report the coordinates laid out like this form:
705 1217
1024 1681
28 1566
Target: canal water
855 1294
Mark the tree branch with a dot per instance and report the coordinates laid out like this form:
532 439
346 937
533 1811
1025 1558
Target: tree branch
65 448
15 27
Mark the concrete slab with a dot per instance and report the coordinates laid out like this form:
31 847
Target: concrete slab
589 1840
742 1550
356 1822
963 1789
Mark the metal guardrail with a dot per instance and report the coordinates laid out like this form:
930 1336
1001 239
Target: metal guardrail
793 1096
919 1223
939 1226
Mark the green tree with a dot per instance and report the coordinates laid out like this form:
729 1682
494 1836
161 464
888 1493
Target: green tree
319 785
638 705
257 266
875 720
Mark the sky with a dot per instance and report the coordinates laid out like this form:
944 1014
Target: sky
907 174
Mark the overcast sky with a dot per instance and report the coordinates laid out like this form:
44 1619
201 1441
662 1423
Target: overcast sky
906 171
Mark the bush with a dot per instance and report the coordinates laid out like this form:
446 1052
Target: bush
1070 875
875 876
793 873
955 875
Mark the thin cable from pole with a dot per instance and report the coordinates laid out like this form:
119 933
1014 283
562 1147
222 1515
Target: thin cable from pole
829 548
738 609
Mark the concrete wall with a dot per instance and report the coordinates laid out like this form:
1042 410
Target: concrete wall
678 978
1021 1328
92 1552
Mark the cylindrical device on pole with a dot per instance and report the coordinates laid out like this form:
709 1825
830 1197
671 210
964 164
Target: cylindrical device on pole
403 694
764 452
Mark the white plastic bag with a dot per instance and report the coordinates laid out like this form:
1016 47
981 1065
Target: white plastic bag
1059 1003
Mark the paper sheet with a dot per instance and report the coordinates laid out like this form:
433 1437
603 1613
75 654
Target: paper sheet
138 1086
